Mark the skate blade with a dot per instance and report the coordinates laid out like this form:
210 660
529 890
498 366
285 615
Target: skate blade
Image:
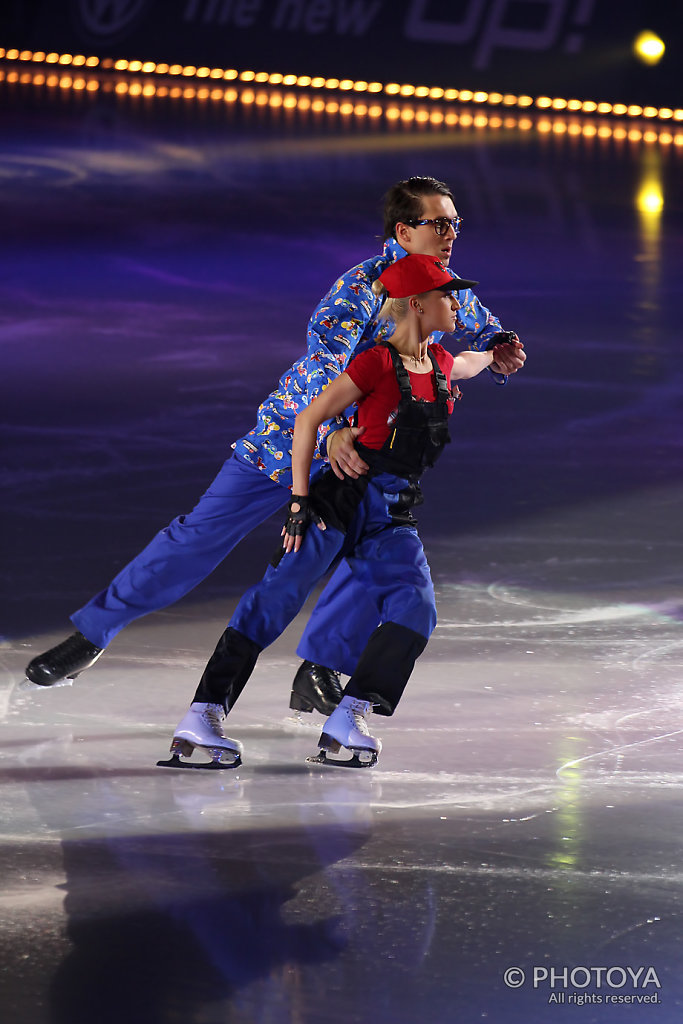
175 761
28 686
181 749
358 759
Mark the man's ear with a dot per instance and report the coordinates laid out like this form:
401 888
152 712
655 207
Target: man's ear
402 232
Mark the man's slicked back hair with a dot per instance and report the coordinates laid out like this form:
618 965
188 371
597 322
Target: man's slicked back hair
403 201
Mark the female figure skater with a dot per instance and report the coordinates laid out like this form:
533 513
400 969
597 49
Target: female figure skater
404 400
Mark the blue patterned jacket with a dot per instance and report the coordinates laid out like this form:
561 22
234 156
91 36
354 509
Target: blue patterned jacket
343 324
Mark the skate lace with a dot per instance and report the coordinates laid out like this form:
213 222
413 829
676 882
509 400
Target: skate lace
214 714
358 712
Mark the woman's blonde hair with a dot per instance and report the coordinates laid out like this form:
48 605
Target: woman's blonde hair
392 309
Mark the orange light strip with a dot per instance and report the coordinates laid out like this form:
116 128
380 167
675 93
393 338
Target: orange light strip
206 77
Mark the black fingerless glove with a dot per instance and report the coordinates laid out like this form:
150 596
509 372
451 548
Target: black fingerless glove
301 514
502 338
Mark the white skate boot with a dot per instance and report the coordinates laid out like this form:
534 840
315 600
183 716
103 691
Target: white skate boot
202 727
346 727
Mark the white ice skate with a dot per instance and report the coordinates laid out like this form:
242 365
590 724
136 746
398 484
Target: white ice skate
202 727
346 727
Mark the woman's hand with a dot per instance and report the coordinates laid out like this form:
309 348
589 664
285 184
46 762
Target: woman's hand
509 356
301 513
342 454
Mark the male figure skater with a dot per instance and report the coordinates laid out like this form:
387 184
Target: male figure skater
419 217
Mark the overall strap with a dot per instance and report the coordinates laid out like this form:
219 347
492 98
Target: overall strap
402 377
443 391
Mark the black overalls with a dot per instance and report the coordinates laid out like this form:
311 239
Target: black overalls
369 522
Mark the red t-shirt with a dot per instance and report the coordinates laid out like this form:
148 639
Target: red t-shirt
373 372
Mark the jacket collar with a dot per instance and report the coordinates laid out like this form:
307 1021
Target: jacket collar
393 251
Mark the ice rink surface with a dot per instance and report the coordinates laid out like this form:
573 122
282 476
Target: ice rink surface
515 856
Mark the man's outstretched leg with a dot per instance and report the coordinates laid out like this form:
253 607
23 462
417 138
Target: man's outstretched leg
175 561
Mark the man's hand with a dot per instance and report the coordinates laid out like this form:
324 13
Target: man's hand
509 356
341 451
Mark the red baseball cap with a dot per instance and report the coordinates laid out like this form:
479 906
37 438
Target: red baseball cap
417 273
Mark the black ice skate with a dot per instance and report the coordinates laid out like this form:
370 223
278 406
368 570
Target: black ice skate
65 661
202 727
347 728
315 688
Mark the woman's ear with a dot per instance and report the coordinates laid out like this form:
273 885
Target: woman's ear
414 303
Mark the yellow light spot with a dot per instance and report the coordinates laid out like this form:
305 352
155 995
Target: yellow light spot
289 80
346 84
303 81
544 102
407 90
247 76
422 92
332 107
466 95
262 76
134 65
436 93
480 97
634 110
589 106
451 94
604 108
648 47
650 199
331 83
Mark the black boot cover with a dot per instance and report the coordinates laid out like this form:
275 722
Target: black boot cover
385 666
228 669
